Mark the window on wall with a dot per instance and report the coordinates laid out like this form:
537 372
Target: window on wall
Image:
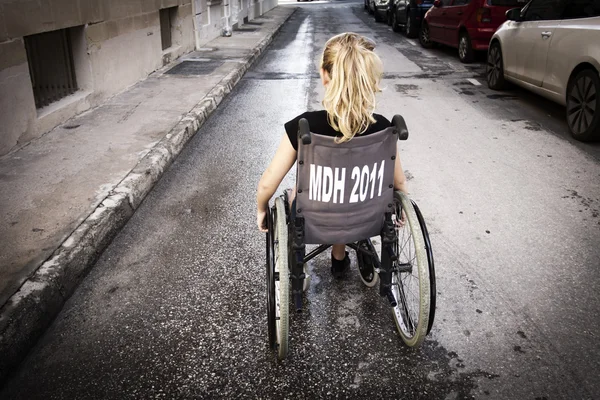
51 66
167 20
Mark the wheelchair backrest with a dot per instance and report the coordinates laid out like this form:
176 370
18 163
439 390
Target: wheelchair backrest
345 189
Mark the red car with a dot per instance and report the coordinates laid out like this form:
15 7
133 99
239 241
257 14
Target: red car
465 24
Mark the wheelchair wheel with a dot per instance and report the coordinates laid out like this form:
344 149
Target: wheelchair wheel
411 275
367 265
432 289
281 279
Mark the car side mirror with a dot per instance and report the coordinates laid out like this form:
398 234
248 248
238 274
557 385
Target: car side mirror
437 3
514 14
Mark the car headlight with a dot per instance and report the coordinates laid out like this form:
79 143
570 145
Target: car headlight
382 2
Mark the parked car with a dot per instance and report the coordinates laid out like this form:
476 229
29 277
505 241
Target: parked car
406 15
379 9
552 47
465 24
370 6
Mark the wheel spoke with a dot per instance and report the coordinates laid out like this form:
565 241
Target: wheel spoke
580 122
585 87
591 95
592 106
580 90
587 117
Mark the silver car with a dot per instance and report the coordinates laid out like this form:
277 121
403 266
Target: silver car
552 47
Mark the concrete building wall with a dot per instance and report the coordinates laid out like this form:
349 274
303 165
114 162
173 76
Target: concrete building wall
115 43
213 16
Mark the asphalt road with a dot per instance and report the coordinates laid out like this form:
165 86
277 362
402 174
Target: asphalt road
175 308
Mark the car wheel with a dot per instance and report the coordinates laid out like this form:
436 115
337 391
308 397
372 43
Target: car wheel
389 17
411 28
495 68
395 25
366 5
583 105
424 37
376 15
465 50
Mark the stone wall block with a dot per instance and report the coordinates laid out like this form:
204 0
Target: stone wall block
150 5
27 17
65 14
123 8
12 53
3 34
96 34
169 3
92 11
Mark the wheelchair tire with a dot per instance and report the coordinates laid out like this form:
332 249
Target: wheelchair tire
411 288
282 279
432 288
367 263
271 278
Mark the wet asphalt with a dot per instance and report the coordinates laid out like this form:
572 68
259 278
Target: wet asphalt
175 307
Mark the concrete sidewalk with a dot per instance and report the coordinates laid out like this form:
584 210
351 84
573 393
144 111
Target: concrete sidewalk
65 196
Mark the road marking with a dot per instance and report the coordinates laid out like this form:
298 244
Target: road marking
474 81
411 42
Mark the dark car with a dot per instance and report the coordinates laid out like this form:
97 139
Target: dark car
465 24
406 15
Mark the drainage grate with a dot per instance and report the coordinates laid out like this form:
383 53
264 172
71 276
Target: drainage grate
244 29
194 68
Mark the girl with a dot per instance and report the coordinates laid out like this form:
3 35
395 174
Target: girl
351 72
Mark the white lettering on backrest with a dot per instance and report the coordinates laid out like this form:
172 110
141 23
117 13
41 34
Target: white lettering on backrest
314 190
339 183
327 184
356 177
372 177
380 176
364 183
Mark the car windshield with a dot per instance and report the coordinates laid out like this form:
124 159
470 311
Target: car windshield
507 3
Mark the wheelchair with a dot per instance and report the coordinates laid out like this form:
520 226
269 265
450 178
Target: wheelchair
345 194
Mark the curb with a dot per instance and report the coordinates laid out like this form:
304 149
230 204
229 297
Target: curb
29 312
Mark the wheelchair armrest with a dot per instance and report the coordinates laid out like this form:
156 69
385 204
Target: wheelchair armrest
304 131
400 127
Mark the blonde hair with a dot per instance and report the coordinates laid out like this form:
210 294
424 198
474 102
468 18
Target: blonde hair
354 72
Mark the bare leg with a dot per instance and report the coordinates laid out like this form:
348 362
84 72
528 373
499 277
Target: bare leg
338 251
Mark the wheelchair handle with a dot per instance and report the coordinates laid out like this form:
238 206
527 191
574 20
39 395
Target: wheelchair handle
304 131
400 127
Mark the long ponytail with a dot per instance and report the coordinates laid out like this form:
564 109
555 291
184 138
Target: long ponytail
354 75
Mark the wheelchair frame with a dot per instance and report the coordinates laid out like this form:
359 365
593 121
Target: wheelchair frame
384 268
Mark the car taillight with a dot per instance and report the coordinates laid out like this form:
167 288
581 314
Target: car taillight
419 2
484 15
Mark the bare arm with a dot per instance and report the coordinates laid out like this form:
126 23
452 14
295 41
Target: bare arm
399 177
284 159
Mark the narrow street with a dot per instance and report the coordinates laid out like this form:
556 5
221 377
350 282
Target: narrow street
175 307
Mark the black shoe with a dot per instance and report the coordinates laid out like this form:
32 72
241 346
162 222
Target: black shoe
340 267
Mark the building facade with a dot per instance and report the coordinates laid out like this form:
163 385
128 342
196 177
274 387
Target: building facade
59 58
